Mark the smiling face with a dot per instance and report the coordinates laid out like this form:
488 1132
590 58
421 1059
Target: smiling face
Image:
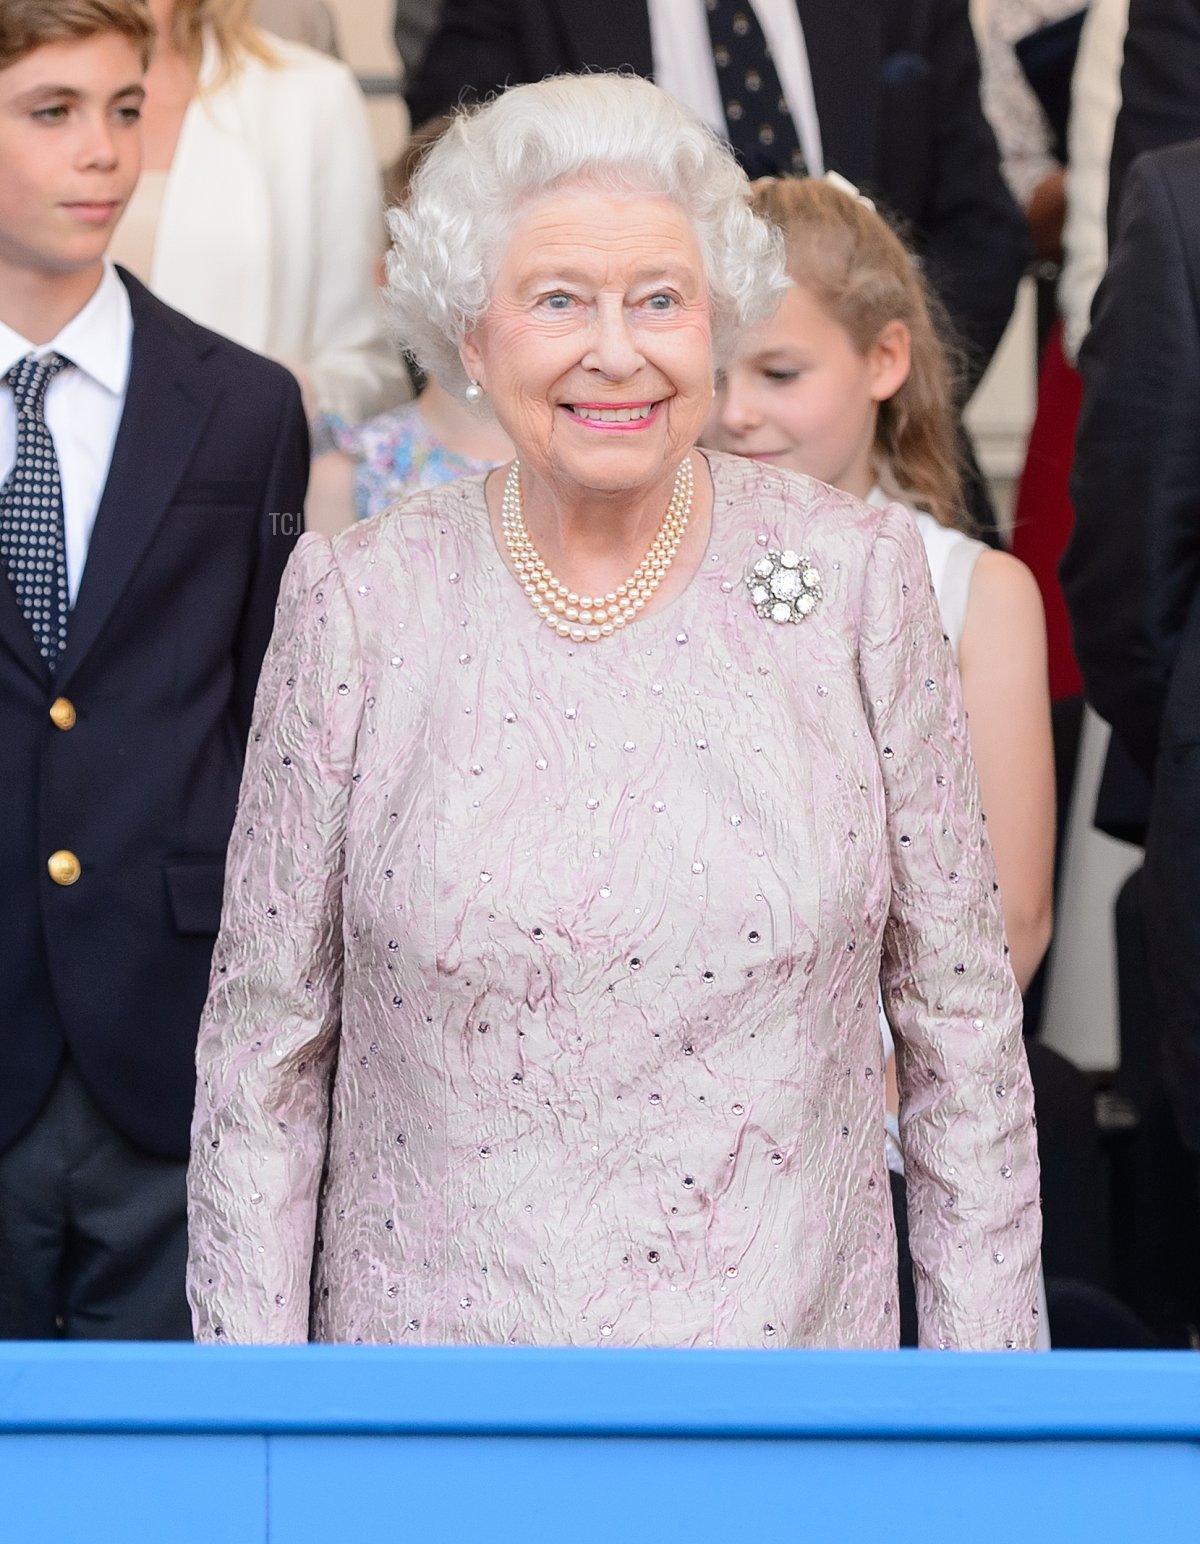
800 395
596 348
70 152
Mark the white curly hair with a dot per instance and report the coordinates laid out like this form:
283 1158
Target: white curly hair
617 133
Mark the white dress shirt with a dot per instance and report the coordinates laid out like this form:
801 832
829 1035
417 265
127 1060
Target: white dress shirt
83 407
683 65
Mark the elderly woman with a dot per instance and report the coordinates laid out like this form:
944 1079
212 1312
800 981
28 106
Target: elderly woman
586 804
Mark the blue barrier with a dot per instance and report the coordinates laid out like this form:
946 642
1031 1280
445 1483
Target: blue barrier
141 1444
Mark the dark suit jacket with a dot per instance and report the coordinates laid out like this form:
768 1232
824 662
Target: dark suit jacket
162 657
1160 106
1160 87
1131 573
897 92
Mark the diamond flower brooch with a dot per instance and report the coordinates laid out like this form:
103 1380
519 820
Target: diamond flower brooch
784 586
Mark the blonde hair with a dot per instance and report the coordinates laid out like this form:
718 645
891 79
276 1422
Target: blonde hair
864 277
233 31
29 24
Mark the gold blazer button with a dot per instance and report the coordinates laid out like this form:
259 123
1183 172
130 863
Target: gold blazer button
62 713
63 867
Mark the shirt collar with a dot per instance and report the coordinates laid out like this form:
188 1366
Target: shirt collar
97 339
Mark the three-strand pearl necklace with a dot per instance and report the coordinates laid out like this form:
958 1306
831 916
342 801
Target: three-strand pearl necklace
588 618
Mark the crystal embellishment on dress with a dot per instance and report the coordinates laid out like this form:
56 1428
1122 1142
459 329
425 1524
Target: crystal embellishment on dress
784 586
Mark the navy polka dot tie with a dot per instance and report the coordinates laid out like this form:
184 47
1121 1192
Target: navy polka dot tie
758 119
32 537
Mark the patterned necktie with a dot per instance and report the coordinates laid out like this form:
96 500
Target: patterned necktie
757 117
32 536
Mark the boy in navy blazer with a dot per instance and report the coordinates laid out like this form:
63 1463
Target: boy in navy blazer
152 478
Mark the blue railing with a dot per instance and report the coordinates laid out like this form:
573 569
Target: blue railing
168 1445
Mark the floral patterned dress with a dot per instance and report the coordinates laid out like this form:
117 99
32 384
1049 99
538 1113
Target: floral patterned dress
394 454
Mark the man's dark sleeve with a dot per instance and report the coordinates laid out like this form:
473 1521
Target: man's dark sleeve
1133 564
280 524
475 49
1160 88
972 236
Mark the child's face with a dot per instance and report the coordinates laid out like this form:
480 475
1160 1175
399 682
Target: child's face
798 394
70 153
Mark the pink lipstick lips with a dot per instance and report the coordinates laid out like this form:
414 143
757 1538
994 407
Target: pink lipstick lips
613 417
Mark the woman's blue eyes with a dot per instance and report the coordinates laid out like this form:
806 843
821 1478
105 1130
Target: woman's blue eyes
560 300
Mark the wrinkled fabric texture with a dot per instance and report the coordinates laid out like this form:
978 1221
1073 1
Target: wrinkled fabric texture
544 1007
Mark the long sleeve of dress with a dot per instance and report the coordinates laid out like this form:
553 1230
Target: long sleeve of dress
966 1102
269 1032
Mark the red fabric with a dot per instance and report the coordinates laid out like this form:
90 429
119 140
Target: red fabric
1044 517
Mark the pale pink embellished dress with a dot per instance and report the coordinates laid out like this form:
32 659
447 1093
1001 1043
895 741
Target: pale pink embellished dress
544 1007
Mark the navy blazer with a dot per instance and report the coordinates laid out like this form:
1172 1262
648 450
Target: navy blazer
1160 106
200 511
896 84
1160 88
1131 573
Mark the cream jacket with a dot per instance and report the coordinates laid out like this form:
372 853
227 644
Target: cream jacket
1095 102
272 226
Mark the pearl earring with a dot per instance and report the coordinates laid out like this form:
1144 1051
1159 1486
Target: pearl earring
474 392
